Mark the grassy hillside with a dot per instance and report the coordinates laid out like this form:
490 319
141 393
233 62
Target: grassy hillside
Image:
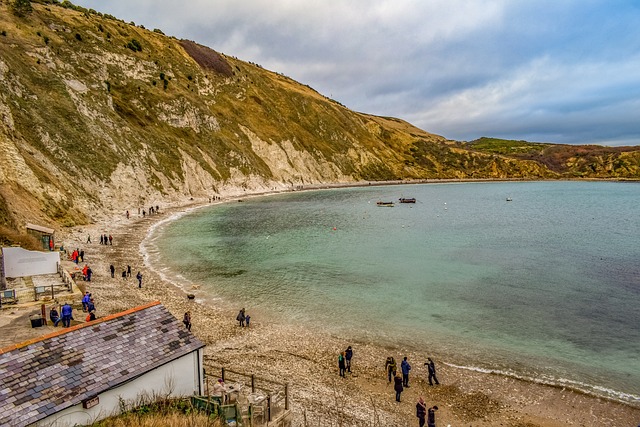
98 114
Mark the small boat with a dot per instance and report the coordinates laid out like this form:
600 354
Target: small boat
509 199
407 200
387 204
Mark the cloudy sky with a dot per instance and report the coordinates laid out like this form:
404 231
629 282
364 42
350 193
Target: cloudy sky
560 71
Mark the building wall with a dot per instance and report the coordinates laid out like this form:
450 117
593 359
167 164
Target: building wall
20 262
182 377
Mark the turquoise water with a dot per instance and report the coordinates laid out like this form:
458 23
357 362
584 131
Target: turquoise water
545 287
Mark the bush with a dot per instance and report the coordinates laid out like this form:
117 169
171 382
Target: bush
134 45
156 30
78 37
21 8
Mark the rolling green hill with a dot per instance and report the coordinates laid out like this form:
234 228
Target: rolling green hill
99 115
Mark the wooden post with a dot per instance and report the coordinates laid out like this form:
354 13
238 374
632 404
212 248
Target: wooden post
286 396
53 295
253 383
269 407
43 312
222 374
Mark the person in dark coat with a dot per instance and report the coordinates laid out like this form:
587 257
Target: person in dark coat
139 277
432 371
431 416
54 316
348 354
113 270
342 364
240 317
421 411
397 386
187 320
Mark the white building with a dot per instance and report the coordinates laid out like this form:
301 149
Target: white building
82 374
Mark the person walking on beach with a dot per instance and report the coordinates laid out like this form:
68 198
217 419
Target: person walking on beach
405 372
247 319
139 277
124 274
101 239
110 240
397 386
88 238
432 371
342 364
348 354
113 270
128 271
241 317
421 411
187 320
390 367
431 416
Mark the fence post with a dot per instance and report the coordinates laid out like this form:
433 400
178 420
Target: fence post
269 407
223 374
253 383
53 295
286 396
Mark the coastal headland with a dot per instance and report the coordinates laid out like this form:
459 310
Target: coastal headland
307 359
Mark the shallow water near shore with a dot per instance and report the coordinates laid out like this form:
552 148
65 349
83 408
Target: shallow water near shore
545 287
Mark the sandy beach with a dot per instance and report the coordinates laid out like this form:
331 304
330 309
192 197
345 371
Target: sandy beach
307 359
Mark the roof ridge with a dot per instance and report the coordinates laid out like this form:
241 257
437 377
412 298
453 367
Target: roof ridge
13 347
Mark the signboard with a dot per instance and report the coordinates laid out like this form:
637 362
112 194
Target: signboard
90 402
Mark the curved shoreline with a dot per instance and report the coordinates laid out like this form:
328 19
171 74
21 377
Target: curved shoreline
305 358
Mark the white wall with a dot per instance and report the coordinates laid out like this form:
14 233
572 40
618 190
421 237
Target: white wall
177 378
20 262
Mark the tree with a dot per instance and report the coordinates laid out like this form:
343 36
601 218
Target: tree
21 8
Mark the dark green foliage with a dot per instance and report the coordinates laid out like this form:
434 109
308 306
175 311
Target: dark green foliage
21 8
106 82
100 28
156 30
166 84
78 37
3 33
134 45
161 76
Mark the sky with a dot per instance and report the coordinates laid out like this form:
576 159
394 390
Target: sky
559 71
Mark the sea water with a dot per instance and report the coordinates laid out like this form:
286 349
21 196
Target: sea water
538 280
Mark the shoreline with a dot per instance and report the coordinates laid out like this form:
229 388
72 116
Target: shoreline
305 358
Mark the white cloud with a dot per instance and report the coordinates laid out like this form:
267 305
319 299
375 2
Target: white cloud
461 68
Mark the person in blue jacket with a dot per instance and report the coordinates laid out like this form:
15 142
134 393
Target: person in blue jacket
405 371
67 315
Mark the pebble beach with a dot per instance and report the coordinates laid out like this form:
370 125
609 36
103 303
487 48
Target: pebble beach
307 359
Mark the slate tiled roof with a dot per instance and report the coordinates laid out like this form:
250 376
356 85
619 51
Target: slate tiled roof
46 375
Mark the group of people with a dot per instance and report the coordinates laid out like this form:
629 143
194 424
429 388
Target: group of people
400 383
243 318
106 240
77 255
87 272
344 361
126 273
425 414
152 210
65 316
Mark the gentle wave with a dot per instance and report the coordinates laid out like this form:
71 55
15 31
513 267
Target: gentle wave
578 386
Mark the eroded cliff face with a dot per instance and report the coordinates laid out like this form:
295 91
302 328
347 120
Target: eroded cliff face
98 115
